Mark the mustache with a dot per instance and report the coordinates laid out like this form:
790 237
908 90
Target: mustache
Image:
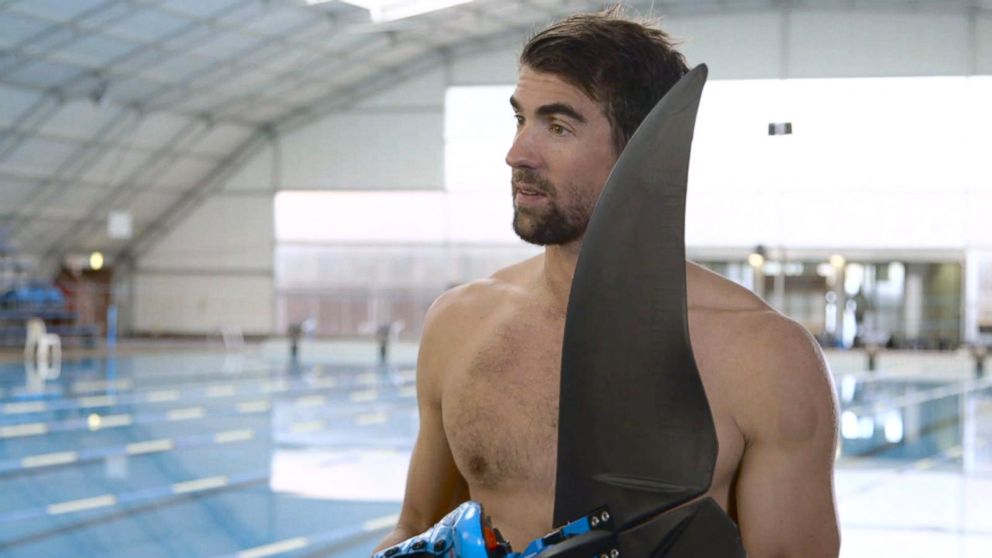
532 180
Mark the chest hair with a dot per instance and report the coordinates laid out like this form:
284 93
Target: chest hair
501 407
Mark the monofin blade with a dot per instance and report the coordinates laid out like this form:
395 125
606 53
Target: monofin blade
635 432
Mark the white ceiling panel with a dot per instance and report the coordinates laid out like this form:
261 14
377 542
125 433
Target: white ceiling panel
13 103
267 50
463 20
13 193
74 202
57 10
193 103
141 61
509 10
305 94
96 50
148 25
225 45
15 28
80 119
196 36
89 84
36 155
37 234
404 51
230 109
285 62
202 8
240 83
179 67
45 73
246 13
152 184
113 13
346 39
400 54
314 35
260 112
115 165
349 74
222 139
284 87
281 20
157 128
186 171
148 205
133 89
50 40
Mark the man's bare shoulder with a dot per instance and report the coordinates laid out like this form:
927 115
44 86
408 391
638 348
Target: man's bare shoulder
781 350
781 380
471 302
710 291
787 384
771 342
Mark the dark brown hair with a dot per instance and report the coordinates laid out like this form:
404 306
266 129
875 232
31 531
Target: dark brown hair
624 65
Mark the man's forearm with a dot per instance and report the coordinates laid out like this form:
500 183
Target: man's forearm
399 534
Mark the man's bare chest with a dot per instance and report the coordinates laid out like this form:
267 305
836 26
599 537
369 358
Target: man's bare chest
500 405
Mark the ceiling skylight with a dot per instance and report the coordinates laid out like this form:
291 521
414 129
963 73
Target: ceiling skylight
390 10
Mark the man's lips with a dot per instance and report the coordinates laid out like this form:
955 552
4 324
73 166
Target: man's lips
527 191
525 197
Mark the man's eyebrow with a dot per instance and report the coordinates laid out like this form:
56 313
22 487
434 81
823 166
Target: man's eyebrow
560 108
552 109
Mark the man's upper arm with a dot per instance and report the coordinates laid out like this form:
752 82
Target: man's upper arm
785 499
434 486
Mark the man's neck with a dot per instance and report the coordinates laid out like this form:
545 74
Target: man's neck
559 269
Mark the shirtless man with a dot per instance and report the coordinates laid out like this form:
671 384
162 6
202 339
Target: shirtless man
490 356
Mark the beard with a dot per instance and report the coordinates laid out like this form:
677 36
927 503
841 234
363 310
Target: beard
551 223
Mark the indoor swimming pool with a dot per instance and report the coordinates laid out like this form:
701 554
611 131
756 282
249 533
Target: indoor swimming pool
173 454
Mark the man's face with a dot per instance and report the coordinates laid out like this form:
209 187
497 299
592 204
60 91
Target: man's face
561 157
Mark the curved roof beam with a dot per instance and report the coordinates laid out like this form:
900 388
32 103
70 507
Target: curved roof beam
81 160
28 123
135 183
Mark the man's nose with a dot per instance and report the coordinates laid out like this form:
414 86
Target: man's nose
522 152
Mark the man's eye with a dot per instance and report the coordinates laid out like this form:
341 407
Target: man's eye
557 129
519 119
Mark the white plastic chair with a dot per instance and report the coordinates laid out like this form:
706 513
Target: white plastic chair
42 350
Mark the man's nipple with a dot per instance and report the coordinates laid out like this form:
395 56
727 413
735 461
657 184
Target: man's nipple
477 466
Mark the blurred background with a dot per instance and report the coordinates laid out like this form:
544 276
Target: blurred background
222 223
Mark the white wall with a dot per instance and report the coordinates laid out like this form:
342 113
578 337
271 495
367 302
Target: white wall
177 302
871 160
215 269
220 257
